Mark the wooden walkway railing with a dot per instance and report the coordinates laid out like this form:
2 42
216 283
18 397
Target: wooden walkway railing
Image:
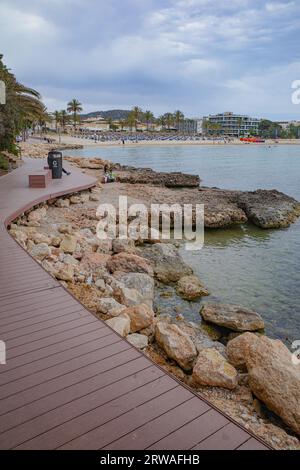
70 382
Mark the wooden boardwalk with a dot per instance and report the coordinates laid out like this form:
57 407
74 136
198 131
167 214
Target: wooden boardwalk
70 382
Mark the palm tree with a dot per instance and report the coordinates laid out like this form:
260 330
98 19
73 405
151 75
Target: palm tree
168 120
57 118
64 118
161 120
23 107
178 117
74 107
131 121
122 124
136 113
148 118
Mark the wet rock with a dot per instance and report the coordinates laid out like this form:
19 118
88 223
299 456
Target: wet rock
234 317
40 251
168 264
127 262
137 340
190 287
141 316
120 324
68 244
110 306
176 344
212 369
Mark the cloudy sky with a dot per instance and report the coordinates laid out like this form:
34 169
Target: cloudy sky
201 56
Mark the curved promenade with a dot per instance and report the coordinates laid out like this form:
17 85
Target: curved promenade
70 382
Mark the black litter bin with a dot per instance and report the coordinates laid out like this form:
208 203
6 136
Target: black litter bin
55 164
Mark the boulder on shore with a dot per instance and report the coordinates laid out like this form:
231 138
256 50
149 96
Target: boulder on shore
211 369
234 317
168 264
40 251
176 344
110 306
128 262
120 324
137 340
142 282
141 316
269 208
274 378
190 287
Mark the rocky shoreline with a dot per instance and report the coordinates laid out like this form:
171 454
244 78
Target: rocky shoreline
267 209
224 357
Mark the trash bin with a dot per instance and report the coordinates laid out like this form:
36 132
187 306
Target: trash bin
55 164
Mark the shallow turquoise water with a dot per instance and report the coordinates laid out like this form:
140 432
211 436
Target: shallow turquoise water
247 265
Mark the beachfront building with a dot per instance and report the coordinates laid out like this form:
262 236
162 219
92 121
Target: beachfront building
191 126
285 125
230 124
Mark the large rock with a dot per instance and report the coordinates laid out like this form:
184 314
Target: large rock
148 176
176 344
200 337
237 347
190 288
126 295
234 317
269 208
168 264
141 316
68 244
127 262
211 369
66 273
120 324
37 214
274 378
40 251
137 340
94 261
143 283
127 245
110 306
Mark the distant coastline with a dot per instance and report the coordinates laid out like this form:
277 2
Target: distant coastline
66 139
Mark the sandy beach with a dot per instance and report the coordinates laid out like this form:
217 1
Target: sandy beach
67 139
